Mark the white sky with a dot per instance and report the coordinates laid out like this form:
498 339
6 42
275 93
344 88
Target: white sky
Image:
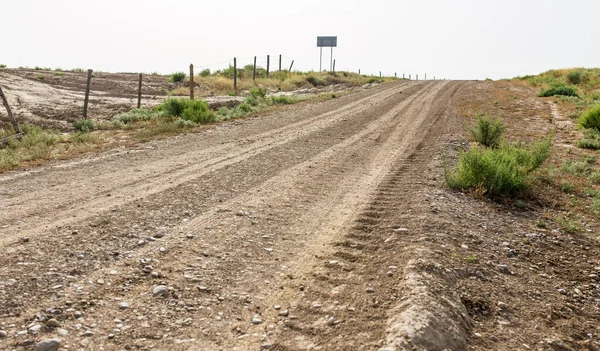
458 39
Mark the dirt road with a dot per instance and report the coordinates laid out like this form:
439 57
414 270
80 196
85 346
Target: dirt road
289 231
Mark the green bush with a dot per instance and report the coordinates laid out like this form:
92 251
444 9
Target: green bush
588 144
84 125
574 77
283 100
595 177
244 107
2 66
177 77
498 172
259 92
577 167
205 72
591 118
488 131
192 110
559 90
315 81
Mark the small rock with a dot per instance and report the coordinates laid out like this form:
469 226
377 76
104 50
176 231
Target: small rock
141 242
386 349
562 291
266 346
155 275
62 332
147 269
78 314
25 240
331 321
390 273
111 336
494 338
35 329
88 333
53 323
370 290
48 345
401 230
504 268
159 290
502 305
256 320
190 236
159 235
162 250
123 305
84 342
464 246
277 307
284 313
100 281
3 334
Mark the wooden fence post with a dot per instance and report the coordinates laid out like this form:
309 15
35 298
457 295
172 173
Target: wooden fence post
333 66
280 62
254 70
395 75
292 65
359 71
87 93
9 111
417 77
235 75
409 77
139 104
268 62
403 76
191 81
425 76
379 74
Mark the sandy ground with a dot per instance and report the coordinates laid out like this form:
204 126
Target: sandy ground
323 227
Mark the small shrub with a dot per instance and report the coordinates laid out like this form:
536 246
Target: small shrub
559 90
60 74
588 144
567 187
244 107
2 66
595 177
205 72
58 70
498 172
283 100
191 110
568 225
315 81
177 77
488 131
184 123
84 125
575 77
77 70
259 92
41 77
591 118
136 115
38 68
577 167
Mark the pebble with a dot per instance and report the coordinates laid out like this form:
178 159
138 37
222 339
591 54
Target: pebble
390 273
464 246
88 333
147 269
35 329
331 321
78 314
159 235
370 290
190 236
111 336
386 349
3 334
266 346
100 281
52 323
504 268
62 332
401 230
256 320
284 313
162 250
277 307
123 305
159 290
562 291
48 345
502 305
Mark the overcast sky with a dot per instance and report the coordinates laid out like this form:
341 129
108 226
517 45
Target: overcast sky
454 39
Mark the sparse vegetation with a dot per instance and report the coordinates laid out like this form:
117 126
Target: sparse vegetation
498 172
2 66
84 125
488 131
577 167
196 111
588 144
177 77
136 115
205 72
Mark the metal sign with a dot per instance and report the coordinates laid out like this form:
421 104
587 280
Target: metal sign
327 42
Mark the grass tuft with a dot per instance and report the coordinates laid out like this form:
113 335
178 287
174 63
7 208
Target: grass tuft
84 125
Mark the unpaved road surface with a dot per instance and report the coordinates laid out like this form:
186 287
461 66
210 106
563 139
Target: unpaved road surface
324 226
281 219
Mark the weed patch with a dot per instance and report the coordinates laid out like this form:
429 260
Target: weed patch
84 125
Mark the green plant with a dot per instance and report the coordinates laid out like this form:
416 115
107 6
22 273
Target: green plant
177 77
575 77
84 125
78 70
488 131
283 100
588 144
60 74
541 224
192 110
595 177
559 90
41 77
137 115
498 172
205 72
38 68
567 187
591 118
2 66
471 258
577 167
568 225
244 107
315 81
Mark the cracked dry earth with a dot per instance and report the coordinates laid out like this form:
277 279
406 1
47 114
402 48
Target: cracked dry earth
325 226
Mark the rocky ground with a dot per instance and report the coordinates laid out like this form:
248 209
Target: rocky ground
327 226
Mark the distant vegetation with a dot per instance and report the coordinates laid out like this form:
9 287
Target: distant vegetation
2 66
177 77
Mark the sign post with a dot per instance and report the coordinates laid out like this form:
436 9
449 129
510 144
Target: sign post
326 42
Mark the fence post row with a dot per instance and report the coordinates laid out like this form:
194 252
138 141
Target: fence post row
268 62
139 104
235 75
254 69
9 111
87 93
